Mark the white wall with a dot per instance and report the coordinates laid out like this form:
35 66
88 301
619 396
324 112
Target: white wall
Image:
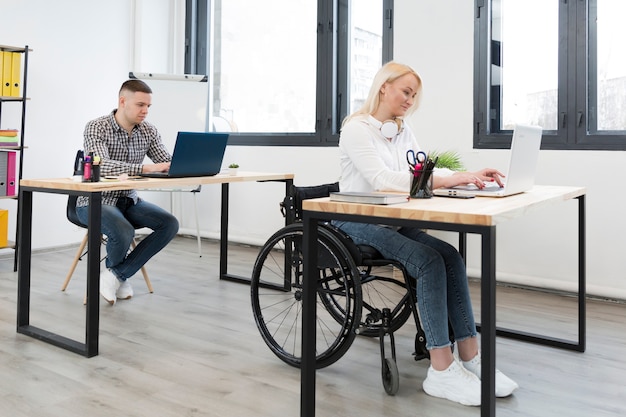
79 61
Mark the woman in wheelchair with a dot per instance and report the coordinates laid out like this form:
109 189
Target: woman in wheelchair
373 145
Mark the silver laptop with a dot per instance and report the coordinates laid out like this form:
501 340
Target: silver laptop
520 177
196 154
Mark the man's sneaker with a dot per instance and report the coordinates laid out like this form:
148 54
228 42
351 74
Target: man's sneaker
455 384
108 286
504 385
125 291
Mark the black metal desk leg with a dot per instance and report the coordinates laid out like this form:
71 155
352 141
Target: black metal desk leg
224 275
93 276
90 347
25 239
463 245
582 271
309 295
224 233
545 340
488 320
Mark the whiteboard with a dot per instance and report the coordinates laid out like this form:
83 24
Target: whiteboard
178 106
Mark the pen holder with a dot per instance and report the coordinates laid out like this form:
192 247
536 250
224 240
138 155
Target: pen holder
421 183
95 173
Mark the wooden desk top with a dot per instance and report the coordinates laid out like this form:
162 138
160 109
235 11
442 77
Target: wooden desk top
148 183
479 211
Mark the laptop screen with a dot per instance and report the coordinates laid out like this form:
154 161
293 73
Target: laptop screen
196 154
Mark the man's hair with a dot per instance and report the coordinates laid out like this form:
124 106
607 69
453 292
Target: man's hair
135 86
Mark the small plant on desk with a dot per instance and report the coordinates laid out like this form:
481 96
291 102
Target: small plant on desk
232 169
447 159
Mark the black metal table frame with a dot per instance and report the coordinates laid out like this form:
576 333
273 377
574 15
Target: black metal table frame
90 347
488 299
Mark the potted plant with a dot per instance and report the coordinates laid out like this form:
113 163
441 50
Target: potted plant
448 159
233 168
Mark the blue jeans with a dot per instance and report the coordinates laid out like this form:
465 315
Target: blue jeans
119 224
442 288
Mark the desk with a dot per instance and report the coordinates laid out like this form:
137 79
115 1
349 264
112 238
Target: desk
94 192
479 216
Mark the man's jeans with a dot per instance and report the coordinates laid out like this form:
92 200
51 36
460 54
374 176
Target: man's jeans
442 288
119 224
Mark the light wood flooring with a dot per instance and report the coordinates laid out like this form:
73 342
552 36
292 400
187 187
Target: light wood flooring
192 349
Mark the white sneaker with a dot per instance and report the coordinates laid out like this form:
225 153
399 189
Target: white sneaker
108 286
125 291
504 385
455 384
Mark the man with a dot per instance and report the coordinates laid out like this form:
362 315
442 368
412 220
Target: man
122 139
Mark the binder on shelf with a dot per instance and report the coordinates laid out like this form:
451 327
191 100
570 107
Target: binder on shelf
4 226
4 169
11 170
7 64
16 65
1 70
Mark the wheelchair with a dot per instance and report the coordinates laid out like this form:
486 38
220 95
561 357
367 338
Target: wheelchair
358 293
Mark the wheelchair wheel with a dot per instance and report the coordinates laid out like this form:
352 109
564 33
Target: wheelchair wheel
391 376
381 290
276 292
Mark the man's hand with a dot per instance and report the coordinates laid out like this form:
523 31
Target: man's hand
160 167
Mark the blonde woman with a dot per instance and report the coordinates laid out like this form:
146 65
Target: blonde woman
373 145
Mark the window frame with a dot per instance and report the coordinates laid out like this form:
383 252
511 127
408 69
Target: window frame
576 84
331 81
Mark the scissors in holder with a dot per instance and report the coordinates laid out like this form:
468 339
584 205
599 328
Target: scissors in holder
415 159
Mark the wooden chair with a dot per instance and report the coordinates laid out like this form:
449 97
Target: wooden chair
72 217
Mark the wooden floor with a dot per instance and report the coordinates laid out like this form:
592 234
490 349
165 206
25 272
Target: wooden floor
192 349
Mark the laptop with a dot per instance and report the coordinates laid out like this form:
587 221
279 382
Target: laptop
196 154
525 147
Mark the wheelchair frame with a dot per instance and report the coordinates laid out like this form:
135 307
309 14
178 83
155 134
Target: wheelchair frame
359 290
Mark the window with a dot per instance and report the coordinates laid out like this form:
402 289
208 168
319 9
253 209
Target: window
554 63
286 72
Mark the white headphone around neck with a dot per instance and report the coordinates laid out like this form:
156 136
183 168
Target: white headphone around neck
392 128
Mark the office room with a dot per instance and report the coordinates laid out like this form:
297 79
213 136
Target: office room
192 347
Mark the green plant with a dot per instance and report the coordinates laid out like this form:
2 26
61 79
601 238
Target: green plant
448 159
233 166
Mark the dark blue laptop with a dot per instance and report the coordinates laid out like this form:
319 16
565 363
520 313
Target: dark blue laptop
196 154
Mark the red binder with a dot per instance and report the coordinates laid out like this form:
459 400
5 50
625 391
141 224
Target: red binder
11 168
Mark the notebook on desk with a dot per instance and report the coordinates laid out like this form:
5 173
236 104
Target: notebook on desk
196 154
520 177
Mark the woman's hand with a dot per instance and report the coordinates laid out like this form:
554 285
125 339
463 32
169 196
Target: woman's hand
490 174
477 178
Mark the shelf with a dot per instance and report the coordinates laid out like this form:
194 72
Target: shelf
10 146
12 98
10 245
14 48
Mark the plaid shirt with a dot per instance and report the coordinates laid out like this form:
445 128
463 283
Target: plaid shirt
120 153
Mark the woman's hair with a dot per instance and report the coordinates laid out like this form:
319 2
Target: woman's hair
388 73
135 86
